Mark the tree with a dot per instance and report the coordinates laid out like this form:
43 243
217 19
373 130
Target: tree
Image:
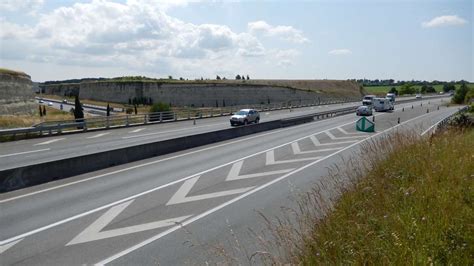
218 78
41 111
460 94
469 96
44 110
449 87
248 77
159 107
430 89
407 89
78 113
393 90
181 78
108 109
170 77
237 77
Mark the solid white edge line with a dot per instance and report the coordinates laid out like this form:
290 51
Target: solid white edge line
25 152
161 160
3 242
158 161
208 212
142 193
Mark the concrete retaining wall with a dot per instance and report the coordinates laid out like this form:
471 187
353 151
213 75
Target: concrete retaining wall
197 94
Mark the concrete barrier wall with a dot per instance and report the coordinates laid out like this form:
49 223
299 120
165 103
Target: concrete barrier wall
12 179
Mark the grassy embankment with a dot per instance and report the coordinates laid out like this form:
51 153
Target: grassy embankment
52 114
382 90
414 207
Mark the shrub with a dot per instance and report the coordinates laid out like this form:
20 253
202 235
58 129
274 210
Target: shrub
460 94
159 107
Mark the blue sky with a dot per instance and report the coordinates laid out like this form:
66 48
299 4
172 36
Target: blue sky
403 40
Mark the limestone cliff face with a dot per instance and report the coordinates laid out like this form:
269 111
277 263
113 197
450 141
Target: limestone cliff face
16 94
204 94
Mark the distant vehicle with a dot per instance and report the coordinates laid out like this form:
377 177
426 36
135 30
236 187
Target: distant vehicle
50 104
391 97
41 101
451 93
64 101
367 100
244 117
441 92
418 96
364 110
382 104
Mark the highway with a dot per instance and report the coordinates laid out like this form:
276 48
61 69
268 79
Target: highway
176 209
31 151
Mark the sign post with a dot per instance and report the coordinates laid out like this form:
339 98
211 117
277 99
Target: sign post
365 125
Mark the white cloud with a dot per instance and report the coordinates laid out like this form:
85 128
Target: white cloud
340 52
16 5
139 36
444 21
285 32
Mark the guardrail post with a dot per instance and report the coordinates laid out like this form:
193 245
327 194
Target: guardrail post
161 117
145 120
438 107
84 122
189 114
175 116
427 110
108 123
194 121
59 128
126 121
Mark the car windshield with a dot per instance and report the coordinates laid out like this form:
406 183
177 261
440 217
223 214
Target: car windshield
241 113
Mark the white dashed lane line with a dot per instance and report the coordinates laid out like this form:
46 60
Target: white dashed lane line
98 135
24 152
48 142
136 130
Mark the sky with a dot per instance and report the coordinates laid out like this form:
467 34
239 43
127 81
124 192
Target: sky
376 39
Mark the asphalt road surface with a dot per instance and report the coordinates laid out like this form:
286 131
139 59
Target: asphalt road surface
32 151
175 209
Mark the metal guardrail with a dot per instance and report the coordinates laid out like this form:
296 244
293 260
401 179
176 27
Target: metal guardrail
443 123
119 121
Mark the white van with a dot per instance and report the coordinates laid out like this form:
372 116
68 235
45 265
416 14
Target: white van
367 100
382 104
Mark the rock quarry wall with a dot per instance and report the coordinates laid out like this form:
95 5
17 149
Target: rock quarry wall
186 94
16 94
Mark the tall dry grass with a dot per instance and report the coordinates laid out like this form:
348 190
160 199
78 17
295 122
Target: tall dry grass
411 202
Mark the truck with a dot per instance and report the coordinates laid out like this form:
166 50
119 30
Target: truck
382 104
391 96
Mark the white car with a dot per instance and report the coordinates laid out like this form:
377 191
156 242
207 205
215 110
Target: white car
364 110
50 104
244 117
418 96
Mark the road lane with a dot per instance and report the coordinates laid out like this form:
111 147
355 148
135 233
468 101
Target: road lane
82 144
213 174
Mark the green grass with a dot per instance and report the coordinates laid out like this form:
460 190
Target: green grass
380 90
414 207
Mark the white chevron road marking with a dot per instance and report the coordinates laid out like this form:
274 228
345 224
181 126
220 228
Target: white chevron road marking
296 149
270 159
349 133
234 173
136 130
317 143
337 138
93 233
181 195
4 248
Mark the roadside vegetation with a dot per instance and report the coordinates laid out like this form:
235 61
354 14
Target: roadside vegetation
16 121
410 202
